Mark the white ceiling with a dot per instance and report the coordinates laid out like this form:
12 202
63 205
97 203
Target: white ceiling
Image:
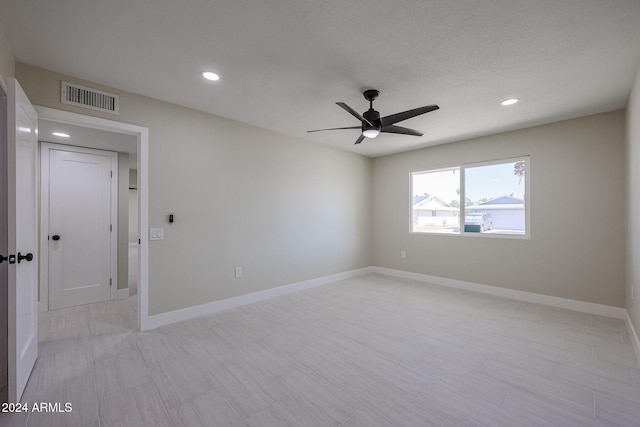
87 137
284 63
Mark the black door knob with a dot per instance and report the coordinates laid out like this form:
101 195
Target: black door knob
55 237
28 257
3 259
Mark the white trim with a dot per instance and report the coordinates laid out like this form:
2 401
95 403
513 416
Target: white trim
162 319
43 285
142 135
123 293
569 304
633 336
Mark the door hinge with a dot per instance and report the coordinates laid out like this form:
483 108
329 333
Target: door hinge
110 227
110 174
110 281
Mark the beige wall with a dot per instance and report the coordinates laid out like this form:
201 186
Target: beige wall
577 196
633 203
283 209
7 63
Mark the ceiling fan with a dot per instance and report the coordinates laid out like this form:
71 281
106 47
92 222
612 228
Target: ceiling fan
373 124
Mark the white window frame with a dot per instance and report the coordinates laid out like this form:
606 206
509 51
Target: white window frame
462 214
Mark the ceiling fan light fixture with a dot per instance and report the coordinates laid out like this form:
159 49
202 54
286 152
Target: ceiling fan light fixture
371 133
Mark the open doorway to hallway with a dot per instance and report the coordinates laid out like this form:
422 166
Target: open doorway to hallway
131 143
85 214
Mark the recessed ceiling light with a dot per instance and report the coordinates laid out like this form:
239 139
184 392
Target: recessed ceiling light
61 134
509 101
210 75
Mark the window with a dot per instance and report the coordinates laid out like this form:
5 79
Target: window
488 198
436 201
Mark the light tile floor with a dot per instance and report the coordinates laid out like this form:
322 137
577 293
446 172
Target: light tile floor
368 351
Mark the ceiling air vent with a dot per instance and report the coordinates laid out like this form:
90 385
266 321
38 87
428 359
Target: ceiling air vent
86 97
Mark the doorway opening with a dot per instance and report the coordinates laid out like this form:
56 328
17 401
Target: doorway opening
131 142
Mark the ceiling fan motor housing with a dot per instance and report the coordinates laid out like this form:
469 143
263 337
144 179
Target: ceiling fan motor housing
374 118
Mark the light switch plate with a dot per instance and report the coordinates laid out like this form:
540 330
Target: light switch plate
156 234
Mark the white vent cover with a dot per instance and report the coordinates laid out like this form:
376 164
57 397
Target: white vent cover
86 97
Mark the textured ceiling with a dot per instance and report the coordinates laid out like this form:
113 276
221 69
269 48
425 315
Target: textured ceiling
284 63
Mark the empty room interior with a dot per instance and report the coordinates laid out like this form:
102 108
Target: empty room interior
293 213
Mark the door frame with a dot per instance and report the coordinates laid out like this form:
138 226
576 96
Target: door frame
142 135
4 243
45 151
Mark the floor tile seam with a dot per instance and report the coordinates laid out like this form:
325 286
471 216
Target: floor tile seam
550 383
627 346
351 416
103 399
467 417
506 395
563 351
558 401
599 332
162 402
245 421
603 410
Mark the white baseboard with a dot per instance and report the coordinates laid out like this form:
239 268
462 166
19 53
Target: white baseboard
162 319
122 293
581 306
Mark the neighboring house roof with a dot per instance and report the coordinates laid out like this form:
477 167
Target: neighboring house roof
504 200
500 203
417 199
433 203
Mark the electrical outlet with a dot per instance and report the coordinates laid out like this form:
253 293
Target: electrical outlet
403 254
238 272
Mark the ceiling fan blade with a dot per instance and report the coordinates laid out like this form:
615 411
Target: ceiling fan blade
400 129
360 139
398 117
354 113
320 130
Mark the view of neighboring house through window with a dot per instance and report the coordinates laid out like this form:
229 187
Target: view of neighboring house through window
487 198
436 201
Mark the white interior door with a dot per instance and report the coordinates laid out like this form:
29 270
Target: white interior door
82 191
22 146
